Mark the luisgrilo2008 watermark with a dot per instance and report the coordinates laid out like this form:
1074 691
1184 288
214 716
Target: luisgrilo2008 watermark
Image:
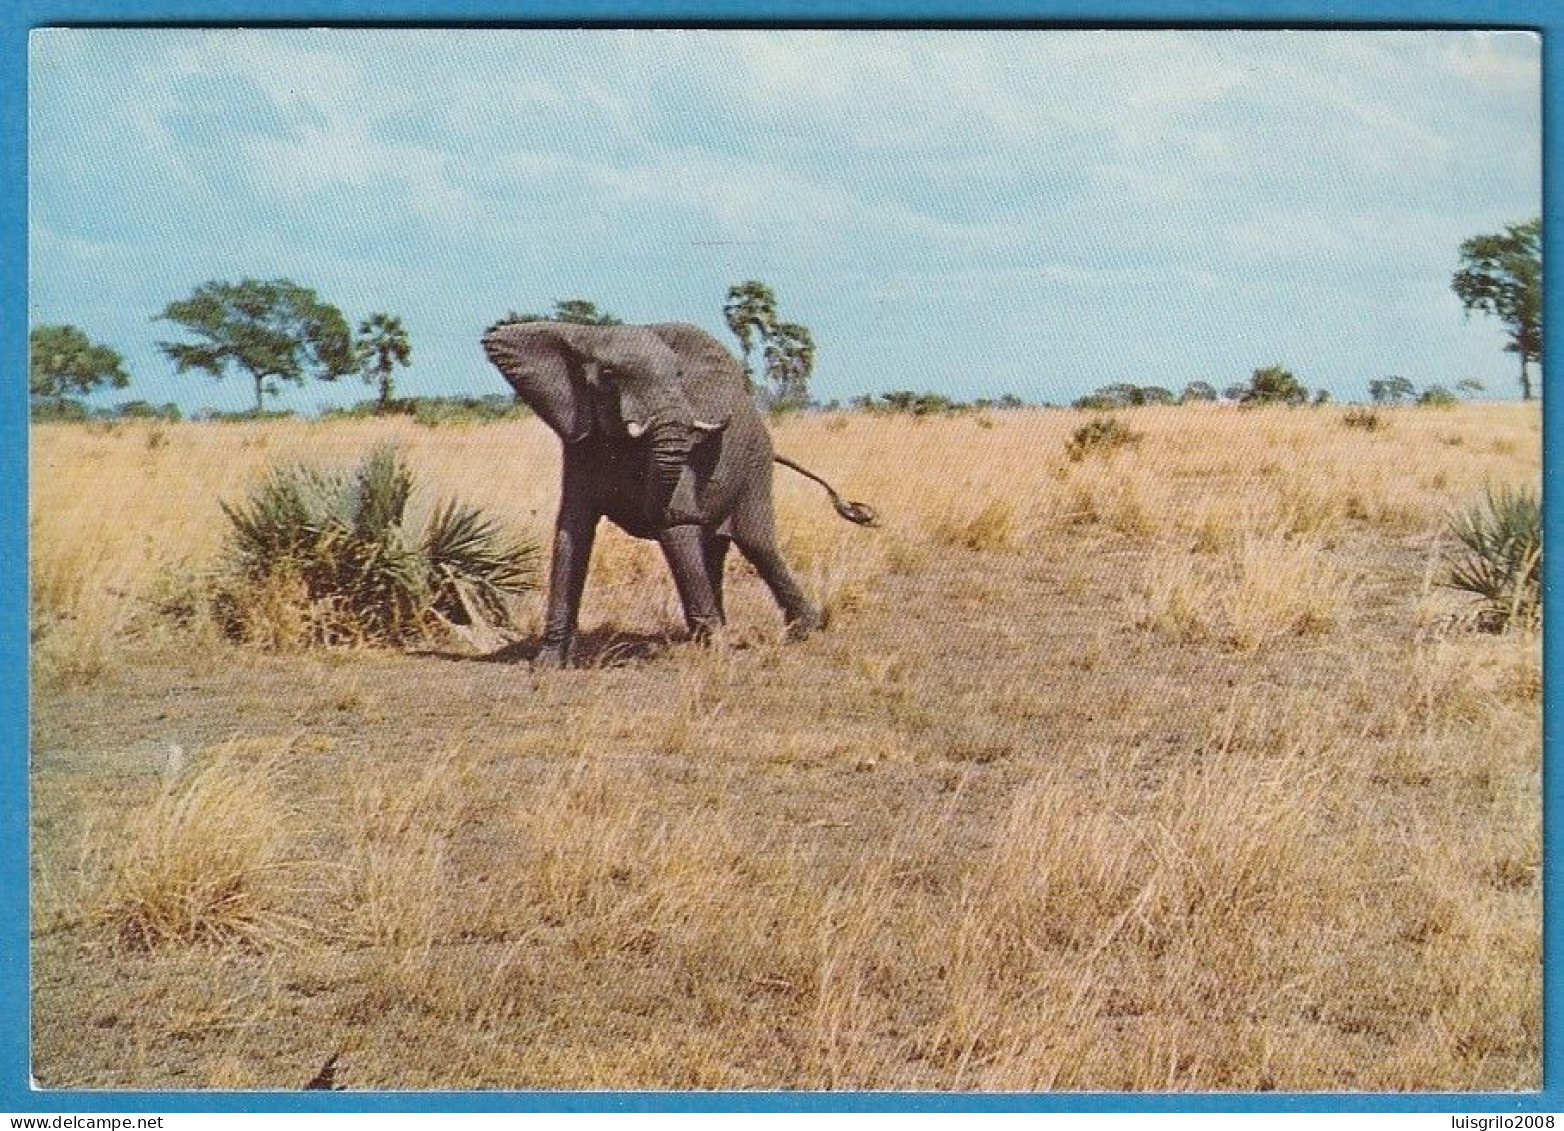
1501 1122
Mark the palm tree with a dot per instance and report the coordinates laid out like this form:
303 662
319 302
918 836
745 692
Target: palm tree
751 309
790 359
382 345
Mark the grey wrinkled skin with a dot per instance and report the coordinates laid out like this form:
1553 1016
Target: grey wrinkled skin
661 438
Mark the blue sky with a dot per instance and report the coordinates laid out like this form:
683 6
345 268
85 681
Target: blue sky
975 213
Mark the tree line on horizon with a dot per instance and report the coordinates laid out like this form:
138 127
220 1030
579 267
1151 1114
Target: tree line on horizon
277 331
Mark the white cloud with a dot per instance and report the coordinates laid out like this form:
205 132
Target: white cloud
1494 62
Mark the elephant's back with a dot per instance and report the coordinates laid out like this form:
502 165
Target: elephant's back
702 357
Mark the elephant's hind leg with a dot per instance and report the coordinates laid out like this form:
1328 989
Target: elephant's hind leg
755 534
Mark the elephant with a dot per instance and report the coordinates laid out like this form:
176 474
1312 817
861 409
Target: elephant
662 437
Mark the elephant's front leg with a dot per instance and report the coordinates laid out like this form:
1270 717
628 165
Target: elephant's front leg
685 548
574 532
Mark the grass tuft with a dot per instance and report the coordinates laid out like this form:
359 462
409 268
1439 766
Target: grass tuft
1101 435
990 527
1366 419
212 859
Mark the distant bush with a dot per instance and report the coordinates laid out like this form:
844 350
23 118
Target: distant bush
71 409
1367 419
906 402
49 409
325 557
1100 436
1273 385
245 416
1437 396
143 410
435 411
1123 395
1501 557
909 403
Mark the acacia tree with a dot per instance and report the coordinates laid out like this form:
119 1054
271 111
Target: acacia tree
751 312
790 360
577 310
1502 275
382 345
272 330
582 313
62 360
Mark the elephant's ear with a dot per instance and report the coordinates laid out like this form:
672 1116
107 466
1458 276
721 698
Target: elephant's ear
543 369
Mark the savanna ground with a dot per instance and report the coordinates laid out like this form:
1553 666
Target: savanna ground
1171 768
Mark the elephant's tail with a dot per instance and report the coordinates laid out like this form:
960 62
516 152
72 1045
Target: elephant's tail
861 513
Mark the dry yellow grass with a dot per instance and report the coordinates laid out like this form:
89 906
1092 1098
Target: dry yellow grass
213 858
1263 588
1175 771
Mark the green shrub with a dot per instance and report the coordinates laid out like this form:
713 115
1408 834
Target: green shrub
1437 396
330 554
1501 557
1100 435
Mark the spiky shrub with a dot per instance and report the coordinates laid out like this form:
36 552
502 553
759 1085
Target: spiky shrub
334 548
472 567
1500 560
1102 435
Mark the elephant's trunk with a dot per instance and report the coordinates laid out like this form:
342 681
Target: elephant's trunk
668 444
